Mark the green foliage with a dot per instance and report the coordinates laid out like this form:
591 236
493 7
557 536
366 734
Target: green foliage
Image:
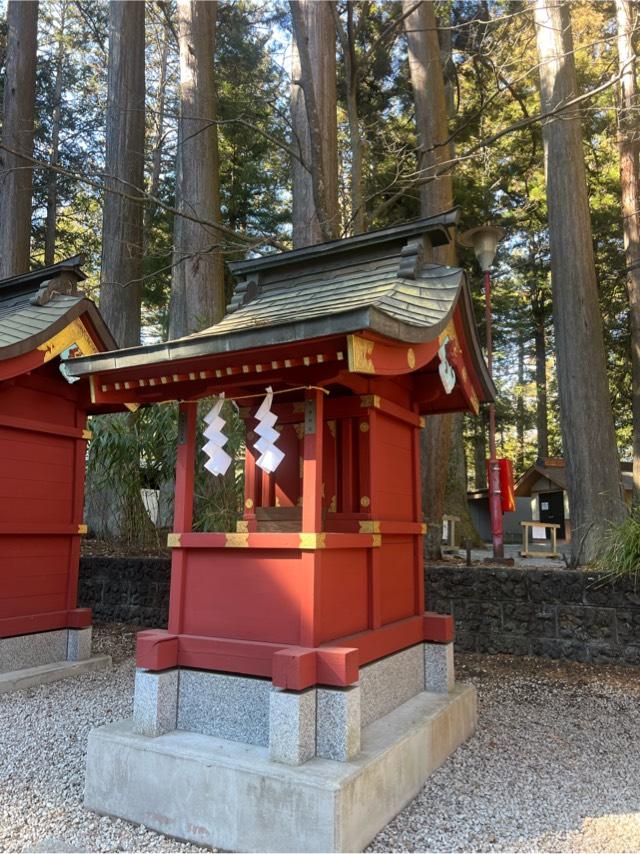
621 550
132 452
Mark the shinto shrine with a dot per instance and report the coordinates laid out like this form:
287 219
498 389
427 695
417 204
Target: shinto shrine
300 694
43 441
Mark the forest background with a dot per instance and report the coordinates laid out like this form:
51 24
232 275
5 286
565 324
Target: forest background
170 137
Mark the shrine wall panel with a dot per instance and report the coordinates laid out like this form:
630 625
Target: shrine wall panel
39 398
398 578
392 470
342 593
273 583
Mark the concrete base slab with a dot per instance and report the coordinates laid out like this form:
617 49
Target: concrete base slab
16 680
229 795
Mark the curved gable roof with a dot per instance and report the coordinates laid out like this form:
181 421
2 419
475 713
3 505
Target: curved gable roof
36 306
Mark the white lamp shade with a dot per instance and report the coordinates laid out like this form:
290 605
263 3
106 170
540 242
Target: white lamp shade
484 241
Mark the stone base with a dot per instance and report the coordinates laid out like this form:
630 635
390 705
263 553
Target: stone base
229 795
28 677
28 660
295 725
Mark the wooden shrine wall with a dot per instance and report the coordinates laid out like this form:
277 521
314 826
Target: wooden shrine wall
42 463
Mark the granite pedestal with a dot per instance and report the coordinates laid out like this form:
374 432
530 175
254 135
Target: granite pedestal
232 762
28 660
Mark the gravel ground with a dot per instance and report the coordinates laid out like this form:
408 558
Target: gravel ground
555 765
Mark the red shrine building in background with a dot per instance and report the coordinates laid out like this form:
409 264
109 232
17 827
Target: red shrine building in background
43 442
323 579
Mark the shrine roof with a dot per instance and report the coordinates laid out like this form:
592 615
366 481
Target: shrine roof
381 281
36 305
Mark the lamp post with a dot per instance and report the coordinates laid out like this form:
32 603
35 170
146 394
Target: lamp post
484 241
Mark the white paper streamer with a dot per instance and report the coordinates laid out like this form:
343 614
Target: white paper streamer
219 460
447 374
270 456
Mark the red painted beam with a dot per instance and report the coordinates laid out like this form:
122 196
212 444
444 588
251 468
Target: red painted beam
78 618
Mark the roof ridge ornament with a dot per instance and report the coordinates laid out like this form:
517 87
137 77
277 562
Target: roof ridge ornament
412 256
60 285
245 291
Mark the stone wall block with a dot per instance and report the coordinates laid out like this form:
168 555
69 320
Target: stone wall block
292 726
603 594
155 704
338 723
551 585
631 654
439 673
500 644
584 623
79 644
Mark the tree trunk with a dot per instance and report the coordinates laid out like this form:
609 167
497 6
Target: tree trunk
542 423
520 408
121 273
52 178
432 129
455 498
592 464
480 452
314 119
629 178
352 76
197 287
16 177
429 97
156 156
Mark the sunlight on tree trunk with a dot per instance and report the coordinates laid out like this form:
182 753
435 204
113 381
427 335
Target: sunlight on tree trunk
313 71
626 13
591 455
197 288
121 273
17 133
429 95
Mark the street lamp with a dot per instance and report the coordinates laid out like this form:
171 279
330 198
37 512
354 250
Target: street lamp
484 241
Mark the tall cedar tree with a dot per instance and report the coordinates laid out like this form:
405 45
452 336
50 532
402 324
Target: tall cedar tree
629 186
592 465
314 119
16 179
428 87
197 286
121 267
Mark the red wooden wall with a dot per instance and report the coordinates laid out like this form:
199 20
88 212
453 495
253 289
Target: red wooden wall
42 461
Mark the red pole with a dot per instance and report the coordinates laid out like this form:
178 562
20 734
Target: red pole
495 499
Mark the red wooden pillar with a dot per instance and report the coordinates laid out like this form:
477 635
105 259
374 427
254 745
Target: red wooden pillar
251 480
312 461
418 517
77 509
183 508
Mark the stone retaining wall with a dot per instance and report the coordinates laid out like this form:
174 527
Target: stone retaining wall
556 613
126 589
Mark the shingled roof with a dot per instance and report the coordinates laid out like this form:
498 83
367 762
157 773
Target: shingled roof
383 281
37 305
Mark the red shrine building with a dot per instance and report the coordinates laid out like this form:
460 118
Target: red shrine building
317 598
43 439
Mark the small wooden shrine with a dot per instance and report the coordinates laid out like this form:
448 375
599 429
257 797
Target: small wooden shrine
44 319
301 638
358 339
